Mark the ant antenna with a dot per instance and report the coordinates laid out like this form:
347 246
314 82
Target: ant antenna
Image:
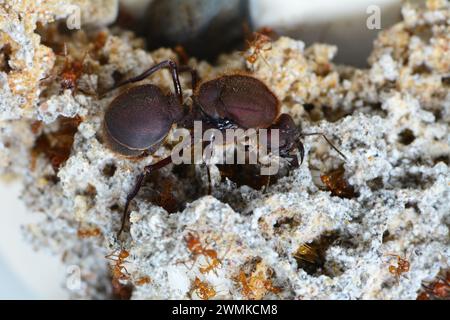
326 139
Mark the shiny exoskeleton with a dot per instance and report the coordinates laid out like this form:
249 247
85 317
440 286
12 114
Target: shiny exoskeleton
139 119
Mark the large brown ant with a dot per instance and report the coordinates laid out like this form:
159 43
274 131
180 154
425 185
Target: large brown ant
139 119
120 274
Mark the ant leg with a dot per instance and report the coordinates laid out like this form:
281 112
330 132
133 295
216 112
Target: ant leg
130 197
326 139
301 149
194 75
159 165
209 180
266 187
293 158
123 268
112 257
140 179
171 65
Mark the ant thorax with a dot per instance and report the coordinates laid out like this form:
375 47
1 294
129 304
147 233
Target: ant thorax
230 146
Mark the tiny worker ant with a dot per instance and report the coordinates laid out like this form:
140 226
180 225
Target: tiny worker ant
261 43
143 280
258 42
88 233
256 285
120 273
196 248
337 185
140 118
70 73
204 290
402 267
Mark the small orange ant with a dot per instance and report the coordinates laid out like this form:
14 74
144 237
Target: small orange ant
336 183
215 262
250 285
196 248
204 290
193 244
88 233
402 267
143 280
259 41
71 72
120 273
118 268
242 279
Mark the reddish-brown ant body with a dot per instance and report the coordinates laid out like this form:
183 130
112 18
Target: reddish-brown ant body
203 289
336 183
402 267
88 233
120 274
259 42
196 248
